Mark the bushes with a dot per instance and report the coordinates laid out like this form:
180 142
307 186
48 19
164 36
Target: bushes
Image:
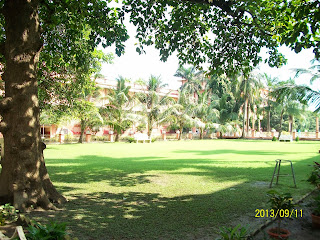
236 233
8 214
51 231
36 231
128 139
100 138
274 139
314 177
297 139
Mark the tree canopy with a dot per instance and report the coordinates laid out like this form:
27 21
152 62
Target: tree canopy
227 34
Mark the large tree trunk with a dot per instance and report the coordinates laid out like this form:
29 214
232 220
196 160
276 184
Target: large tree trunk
24 180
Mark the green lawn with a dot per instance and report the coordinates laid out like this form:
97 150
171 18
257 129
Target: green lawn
169 190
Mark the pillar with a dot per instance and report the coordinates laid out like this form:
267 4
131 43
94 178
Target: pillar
88 136
111 136
164 135
61 137
252 133
178 134
190 135
253 123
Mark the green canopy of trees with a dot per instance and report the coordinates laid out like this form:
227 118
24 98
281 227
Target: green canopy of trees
226 34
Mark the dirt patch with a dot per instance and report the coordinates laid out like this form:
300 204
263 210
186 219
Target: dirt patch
260 184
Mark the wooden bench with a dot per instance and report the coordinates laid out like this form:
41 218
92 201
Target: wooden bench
142 137
285 138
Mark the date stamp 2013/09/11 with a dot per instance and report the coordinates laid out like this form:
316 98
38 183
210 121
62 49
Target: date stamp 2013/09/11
283 213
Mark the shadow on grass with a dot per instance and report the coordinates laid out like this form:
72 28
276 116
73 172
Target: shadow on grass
130 172
136 215
141 215
227 151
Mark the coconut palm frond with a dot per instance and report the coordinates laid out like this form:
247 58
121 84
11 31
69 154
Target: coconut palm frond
313 71
301 93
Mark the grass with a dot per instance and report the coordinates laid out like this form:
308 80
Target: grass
169 190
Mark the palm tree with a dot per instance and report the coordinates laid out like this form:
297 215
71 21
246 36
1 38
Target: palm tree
228 113
204 112
154 103
181 112
193 79
248 89
271 83
313 71
118 111
287 101
303 93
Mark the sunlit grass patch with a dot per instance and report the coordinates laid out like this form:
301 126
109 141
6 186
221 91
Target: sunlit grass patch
169 189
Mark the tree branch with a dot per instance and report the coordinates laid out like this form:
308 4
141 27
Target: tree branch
222 4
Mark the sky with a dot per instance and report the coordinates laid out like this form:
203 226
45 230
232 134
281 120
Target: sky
134 66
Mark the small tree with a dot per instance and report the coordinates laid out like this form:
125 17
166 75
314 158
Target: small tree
281 204
88 114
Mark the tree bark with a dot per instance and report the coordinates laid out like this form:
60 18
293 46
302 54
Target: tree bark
149 126
268 121
281 119
82 128
244 119
23 180
181 129
201 133
117 137
247 121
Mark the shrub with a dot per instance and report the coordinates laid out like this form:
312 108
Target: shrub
128 139
314 177
297 139
274 139
100 138
68 138
236 233
51 231
280 203
8 214
316 210
153 139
